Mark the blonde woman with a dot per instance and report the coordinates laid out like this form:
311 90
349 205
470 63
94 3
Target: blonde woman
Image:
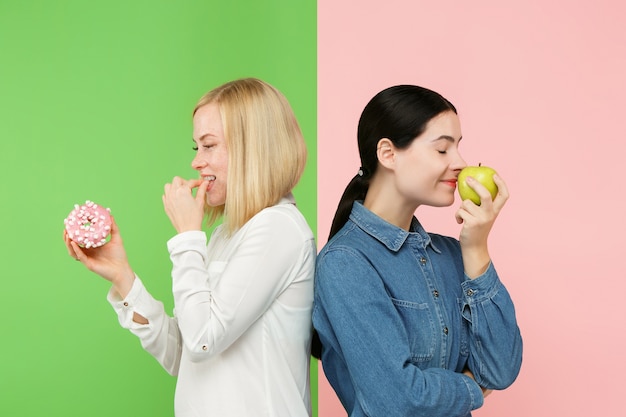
239 340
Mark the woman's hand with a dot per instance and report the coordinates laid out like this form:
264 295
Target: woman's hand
477 223
184 210
486 391
109 261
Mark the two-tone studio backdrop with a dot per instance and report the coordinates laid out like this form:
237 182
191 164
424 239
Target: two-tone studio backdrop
95 103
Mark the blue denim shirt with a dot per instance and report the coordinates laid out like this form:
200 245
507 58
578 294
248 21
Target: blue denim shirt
399 321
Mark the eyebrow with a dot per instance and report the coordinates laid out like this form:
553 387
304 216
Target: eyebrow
447 138
203 137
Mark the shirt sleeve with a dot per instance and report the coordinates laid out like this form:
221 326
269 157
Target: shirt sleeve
495 340
367 334
212 317
160 337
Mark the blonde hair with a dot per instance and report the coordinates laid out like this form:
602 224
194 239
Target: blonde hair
266 149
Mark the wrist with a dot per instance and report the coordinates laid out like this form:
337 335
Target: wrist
190 224
123 283
475 261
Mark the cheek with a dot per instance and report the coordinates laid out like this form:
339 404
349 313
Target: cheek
222 162
413 173
409 185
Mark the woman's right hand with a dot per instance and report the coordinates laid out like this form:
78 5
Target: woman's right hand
486 391
477 222
109 261
184 210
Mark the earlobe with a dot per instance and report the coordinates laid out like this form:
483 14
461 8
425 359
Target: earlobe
385 151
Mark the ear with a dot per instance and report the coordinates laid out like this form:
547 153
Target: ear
386 153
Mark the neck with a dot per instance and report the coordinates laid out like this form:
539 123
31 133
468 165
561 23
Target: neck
383 200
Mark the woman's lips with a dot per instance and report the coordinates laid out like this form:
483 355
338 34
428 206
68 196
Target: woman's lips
451 183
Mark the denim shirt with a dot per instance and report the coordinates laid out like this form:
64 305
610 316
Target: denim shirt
399 321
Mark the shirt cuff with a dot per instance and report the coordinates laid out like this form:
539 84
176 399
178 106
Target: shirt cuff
481 287
137 300
476 393
192 240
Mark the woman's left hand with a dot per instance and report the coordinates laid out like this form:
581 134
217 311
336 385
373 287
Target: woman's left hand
185 210
477 222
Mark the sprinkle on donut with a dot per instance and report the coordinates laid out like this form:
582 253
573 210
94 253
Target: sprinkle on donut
89 224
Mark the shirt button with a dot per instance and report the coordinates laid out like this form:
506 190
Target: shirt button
125 303
205 347
469 293
445 330
423 260
436 293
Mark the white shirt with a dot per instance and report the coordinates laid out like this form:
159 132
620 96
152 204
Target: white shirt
240 337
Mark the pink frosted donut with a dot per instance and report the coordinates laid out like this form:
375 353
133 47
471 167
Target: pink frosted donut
89 225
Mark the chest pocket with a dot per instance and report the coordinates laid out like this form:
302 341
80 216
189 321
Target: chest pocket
418 322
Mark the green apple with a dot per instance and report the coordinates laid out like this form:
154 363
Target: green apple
483 175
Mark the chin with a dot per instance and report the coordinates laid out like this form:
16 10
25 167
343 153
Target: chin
447 202
213 203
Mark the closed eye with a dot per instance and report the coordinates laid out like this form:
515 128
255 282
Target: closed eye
195 148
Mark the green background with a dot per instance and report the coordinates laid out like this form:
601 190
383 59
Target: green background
95 103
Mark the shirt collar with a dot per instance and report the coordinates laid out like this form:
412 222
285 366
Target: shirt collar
392 236
287 199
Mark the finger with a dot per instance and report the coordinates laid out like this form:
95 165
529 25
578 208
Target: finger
483 193
191 184
503 191
184 186
471 214
67 240
502 188
468 212
187 186
201 194
79 255
469 208
115 231
459 216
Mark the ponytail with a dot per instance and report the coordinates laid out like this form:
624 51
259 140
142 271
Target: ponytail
400 114
356 190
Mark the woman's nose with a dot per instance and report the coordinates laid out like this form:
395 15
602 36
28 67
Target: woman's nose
198 163
459 163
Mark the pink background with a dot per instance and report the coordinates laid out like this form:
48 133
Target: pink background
540 88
